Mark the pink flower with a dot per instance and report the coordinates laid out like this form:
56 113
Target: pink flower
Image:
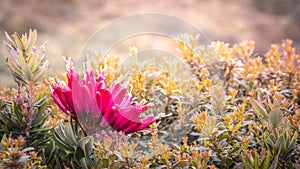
113 104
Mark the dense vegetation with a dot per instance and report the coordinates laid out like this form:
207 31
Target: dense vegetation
229 109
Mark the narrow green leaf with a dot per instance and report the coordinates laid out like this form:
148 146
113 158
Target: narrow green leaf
258 109
292 145
180 164
83 163
105 163
279 143
27 72
267 161
32 37
33 62
17 40
69 133
256 160
235 150
13 67
40 75
59 139
9 40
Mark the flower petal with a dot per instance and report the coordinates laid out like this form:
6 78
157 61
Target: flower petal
58 102
105 104
140 125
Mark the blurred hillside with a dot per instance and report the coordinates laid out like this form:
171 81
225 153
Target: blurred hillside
69 23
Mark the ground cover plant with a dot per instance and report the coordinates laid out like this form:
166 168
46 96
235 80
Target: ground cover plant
236 109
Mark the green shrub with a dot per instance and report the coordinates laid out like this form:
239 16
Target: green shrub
235 110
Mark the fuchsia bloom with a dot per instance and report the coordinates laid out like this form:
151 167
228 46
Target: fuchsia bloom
113 104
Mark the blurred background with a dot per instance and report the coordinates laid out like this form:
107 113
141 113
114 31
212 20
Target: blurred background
68 24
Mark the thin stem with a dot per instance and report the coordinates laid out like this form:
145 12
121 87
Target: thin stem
76 120
275 131
31 91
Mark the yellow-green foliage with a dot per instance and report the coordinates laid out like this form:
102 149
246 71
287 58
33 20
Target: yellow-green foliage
230 109
14 155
